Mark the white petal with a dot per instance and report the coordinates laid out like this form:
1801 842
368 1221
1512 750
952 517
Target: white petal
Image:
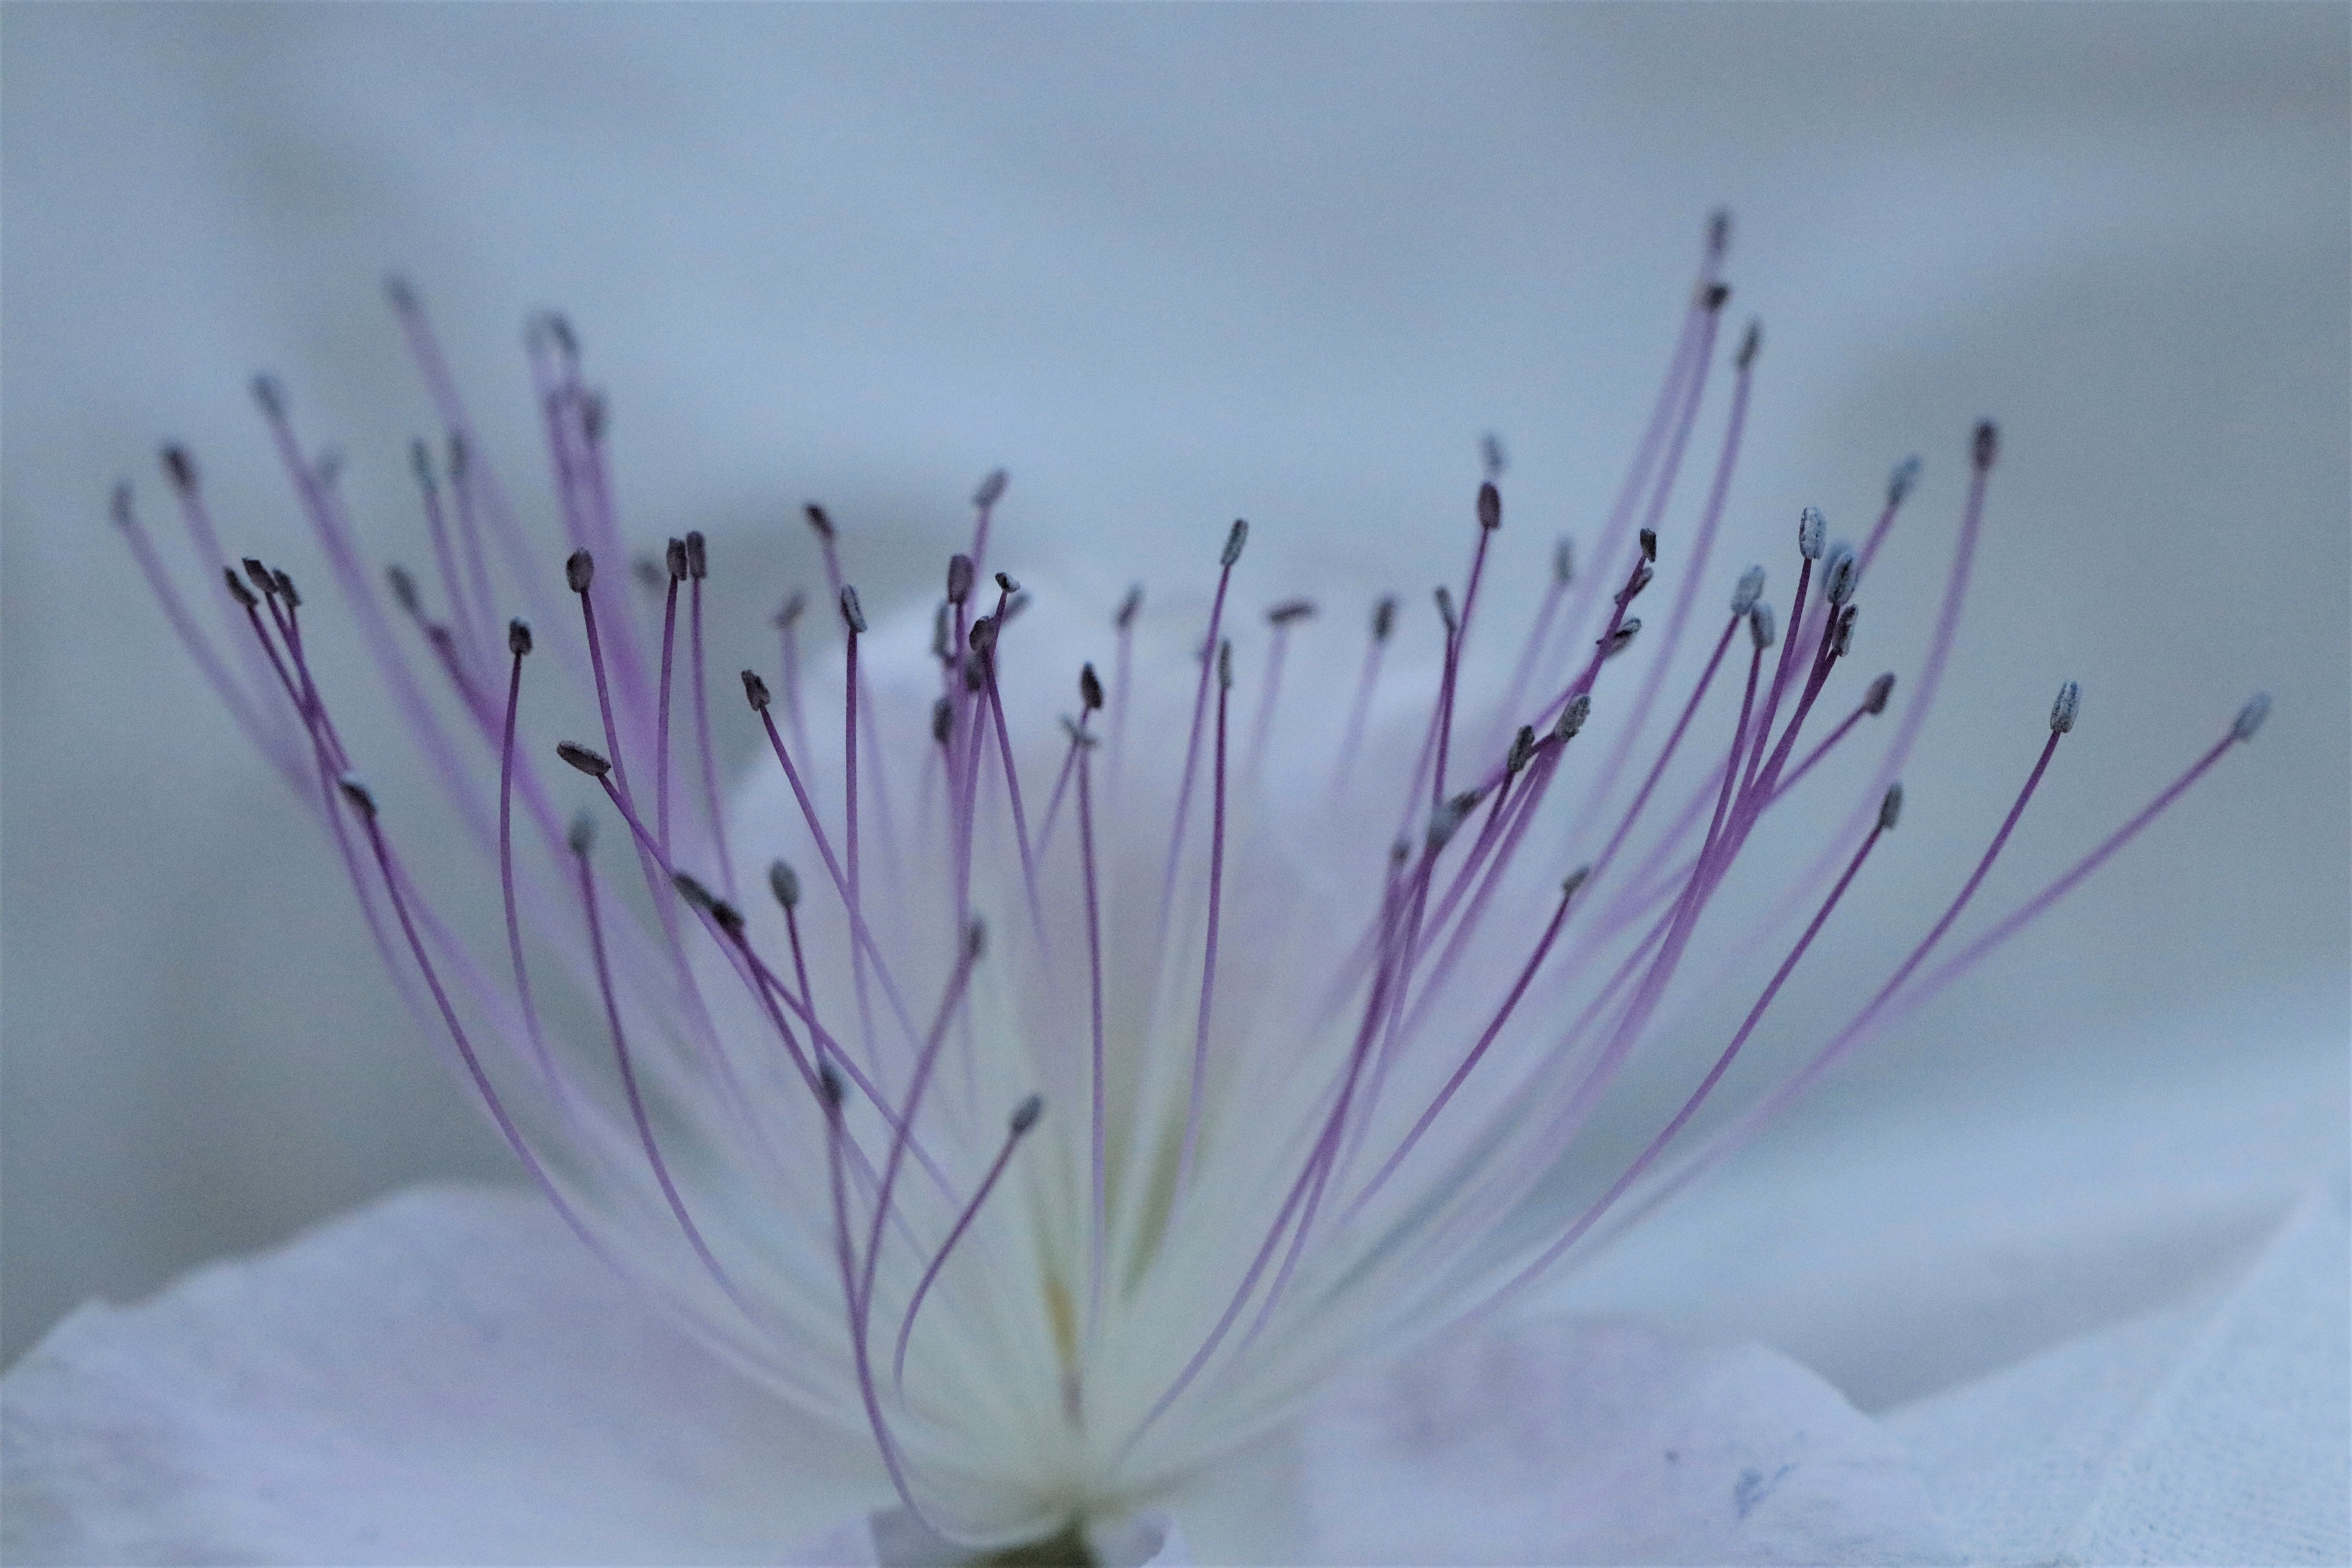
448 1376
1566 1440
892 1538
2213 1431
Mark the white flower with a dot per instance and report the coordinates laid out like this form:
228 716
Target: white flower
1082 1105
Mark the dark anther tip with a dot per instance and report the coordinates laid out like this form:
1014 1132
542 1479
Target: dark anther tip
959 576
1290 610
1899 482
1812 532
581 757
698 555
258 575
1384 617
1749 344
1718 233
975 938
784 882
1563 562
942 720
1572 717
729 918
582 836
1573 881
180 468
1226 664
817 520
1717 296
1234 539
1490 507
1890 807
789 612
356 791
2064 710
1127 608
400 291
982 635
674 560
403 588
1873 702
991 489
270 395
1091 691
852 615
1443 598
1986 445
1523 746
829 1087
1007 585
755 691
2249 718
285 590
580 569
236 588
119 508
691 890
1026 1114
518 636
1649 544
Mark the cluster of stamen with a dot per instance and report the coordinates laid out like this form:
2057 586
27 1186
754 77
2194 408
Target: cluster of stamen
1470 1024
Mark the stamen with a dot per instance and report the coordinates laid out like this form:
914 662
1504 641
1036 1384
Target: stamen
675 556
1024 1117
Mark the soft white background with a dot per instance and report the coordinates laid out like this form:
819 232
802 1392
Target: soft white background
1171 265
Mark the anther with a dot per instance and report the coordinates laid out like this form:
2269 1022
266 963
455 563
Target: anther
581 757
959 572
1384 617
1890 807
403 588
1841 574
1649 544
729 918
674 558
982 635
285 590
975 938
1875 700
1234 542
1490 507
236 588
1006 584
1843 637
991 489
698 555
817 520
558 327
578 571
121 507
1290 610
1812 531
1574 880
401 292
2249 718
1642 577
784 882
1026 1114
1716 296
1749 344
649 573
828 1085
1750 589
1445 612
1986 445
755 691
1090 691
691 890
852 615
258 575
789 615
270 395
180 468
1899 482
942 720
1447 819
1623 637
1125 616
1763 627
1491 458
1523 746
1226 664
356 791
2063 711
583 834
1572 717
1563 561
1718 233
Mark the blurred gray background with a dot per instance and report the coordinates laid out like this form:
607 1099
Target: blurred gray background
1168 265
